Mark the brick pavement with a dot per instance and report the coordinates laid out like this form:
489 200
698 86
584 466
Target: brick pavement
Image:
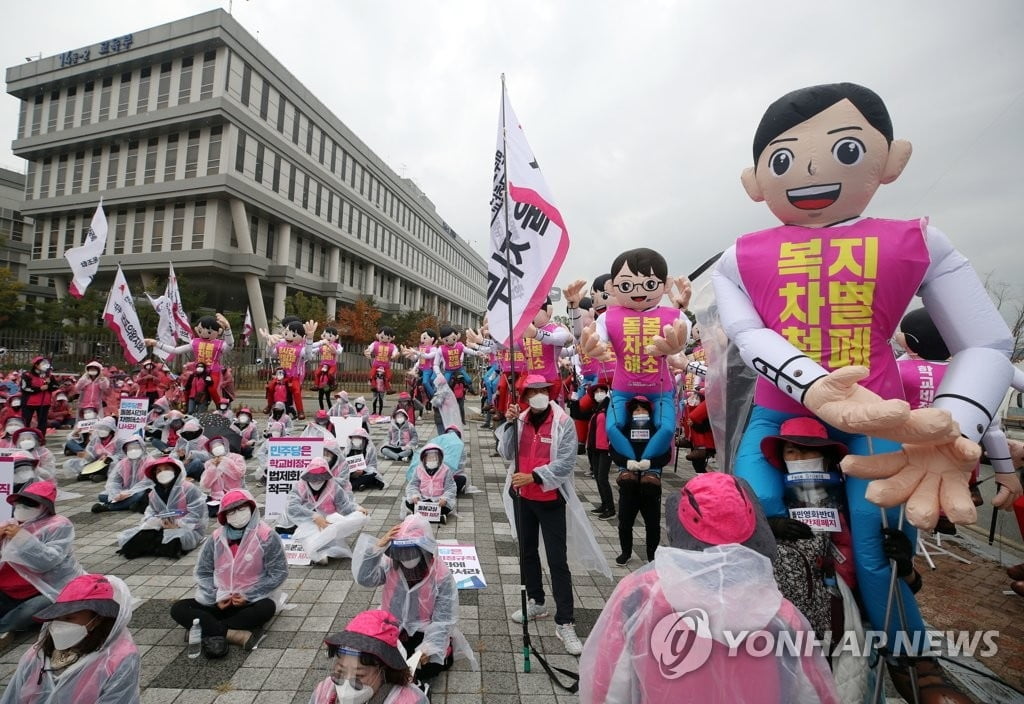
289 661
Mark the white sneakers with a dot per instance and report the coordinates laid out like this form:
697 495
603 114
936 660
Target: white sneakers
533 610
566 633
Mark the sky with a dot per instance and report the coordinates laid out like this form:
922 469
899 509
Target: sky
640 113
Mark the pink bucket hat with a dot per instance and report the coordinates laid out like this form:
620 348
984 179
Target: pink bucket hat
535 381
43 493
236 498
89 592
803 431
374 632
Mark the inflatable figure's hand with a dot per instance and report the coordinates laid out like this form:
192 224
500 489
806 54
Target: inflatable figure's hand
1009 490
473 337
224 324
929 478
681 298
671 341
310 328
592 346
574 292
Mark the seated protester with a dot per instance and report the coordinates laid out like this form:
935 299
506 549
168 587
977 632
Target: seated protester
191 449
451 444
410 405
174 521
279 414
12 425
360 409
274 430
32 441
60 412
102 445
418 591
718 569
165 432
25 469
85 652
244 425
239 572
360 468
79 436
341 408
320 427
224 471
224 409
37 557
323 513
127 486
402 437
367 665
432 481
13 409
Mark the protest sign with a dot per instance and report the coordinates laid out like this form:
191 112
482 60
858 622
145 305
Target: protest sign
295 553
344 426
464 564
825 520
429 510
131 415
287 458
6 487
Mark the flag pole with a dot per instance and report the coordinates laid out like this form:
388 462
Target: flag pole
517 499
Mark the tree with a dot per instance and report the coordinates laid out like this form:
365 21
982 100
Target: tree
11 307
305 307
409 325
1010 305
359 322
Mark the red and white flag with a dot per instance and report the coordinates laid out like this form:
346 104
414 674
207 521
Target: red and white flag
164 326
121 317
179 319
247 328
85 260
529 240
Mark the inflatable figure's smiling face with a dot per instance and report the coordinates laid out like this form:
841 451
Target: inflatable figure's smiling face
637 291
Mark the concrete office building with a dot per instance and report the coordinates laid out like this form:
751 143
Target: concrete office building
15 238
209 154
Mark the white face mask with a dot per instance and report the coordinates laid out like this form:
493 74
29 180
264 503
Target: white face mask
66 634
539 402
9 429
165 476
432 463
44 367
409 564
400 421
103 432
89 415
16 403
27 443
357 443
239 518
24 514
351 692
218 451
134 453
641 420
243 419
317 485
815 464
600 396
93 373
359 406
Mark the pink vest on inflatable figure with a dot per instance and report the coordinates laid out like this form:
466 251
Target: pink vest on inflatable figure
208 352
451 357
835 293
629 332
505 356
540 358
289 357
920 379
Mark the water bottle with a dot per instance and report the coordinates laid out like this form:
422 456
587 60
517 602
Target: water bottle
195 639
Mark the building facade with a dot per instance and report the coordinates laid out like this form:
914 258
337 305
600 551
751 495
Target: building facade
16 238
209 154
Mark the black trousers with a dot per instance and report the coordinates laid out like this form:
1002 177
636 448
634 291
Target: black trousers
41 413
636 497
432 669
216 621
547 517
601 463
365 481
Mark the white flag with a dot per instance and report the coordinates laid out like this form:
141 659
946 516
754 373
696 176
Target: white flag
179 319
534 240
247 328
85 260
164 326
121 317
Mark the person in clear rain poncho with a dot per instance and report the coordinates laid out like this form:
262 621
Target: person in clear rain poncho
224 471
102 445
239 575
665 633
418 590
192 449
402 438
175 520
432 481
85 652
127 486
31 440
323 513
37 557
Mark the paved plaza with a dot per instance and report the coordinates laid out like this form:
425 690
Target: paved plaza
290 660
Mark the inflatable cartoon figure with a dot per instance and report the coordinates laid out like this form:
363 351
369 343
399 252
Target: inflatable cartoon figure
213 338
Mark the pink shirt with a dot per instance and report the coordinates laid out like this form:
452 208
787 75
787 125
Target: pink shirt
630 332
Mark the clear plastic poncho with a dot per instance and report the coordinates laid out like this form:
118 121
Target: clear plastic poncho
188 501
43 554
256 570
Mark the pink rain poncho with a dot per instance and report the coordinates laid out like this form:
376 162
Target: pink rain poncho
185 498
325 693
43 551
439 486
333 504
633 653
431 606
109 675
256 568
126 475
221 477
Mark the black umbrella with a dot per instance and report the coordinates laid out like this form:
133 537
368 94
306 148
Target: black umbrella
216 424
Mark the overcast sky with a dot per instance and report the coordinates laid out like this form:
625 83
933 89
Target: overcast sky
641 113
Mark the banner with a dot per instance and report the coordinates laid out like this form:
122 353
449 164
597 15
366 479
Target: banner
247 328
178 317
165 325
6 486
131 416
85 260
121 317
287 458
464 564
529 245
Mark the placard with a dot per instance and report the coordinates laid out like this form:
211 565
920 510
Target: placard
296 554
355 463
132 415
825 520
345 426
639 433
6 487
463 563
429 510
85 425
286 460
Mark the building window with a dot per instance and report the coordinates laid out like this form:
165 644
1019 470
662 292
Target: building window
199 225
323 261
240 153
119 231
76 173
280 115
37 114
104 113
305 191
213 155
62 174
271 237
149 174
260 153
309 264
323 140
265 99
113 165
334 155
309 136
130 163
246 83
295 126
254 231
122 96
143 103
171 158
22 116
86 104
51 119
94 169
277 173
70 105
209 62
185 81
178 226
192 154
51 244
330 206
138 231
291 184
298 253
157 242
69 234
163 87
319 197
